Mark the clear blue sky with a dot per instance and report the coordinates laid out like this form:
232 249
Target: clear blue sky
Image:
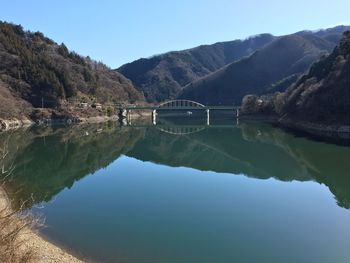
120 31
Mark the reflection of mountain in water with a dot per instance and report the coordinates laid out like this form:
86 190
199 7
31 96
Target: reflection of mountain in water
325 163
222 150
49 160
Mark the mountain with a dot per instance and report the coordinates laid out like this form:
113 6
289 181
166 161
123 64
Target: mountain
36 71
323 95
318 102
162 77
272 68
333 34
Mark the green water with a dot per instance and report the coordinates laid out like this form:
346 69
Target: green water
244 192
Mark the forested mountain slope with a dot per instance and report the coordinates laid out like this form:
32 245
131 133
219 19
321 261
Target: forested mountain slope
318 101
323 95
34 70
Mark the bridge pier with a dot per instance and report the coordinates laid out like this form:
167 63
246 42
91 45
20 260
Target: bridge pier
128 116
208 116
122 113
154 117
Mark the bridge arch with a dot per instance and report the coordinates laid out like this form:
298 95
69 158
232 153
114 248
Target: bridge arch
181 130
180 104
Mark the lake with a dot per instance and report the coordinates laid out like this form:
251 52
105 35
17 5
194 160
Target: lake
185 192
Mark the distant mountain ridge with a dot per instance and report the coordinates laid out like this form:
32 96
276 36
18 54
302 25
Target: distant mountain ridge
318 102
204 73
273 67
162 77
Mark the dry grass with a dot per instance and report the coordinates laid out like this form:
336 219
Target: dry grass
13 242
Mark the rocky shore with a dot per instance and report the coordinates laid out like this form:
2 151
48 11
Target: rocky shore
14 123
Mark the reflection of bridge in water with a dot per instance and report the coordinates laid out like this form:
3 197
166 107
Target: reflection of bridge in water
175 105
180 129
176 130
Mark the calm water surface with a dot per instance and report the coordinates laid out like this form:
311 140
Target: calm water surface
244 192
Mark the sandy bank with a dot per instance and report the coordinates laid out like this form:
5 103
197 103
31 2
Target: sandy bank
44 251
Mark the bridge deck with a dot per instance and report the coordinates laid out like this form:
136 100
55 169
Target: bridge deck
215 126
180 108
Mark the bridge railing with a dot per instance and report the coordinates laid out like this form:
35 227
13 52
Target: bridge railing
180 104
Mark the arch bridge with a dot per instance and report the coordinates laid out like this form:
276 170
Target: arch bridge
187 105
180 104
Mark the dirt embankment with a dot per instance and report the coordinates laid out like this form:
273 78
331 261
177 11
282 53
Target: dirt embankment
26 244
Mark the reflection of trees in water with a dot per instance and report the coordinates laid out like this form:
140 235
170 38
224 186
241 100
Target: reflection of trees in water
51 160
253 149
220 150
48 160
325 163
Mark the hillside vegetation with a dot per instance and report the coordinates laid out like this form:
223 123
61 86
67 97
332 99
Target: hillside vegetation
162 77
35 72
272 68
323 95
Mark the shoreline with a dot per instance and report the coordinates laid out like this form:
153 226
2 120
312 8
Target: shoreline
322 130
331 132
16 123
337 132
45 250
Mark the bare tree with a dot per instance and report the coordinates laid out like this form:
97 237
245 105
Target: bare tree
6 170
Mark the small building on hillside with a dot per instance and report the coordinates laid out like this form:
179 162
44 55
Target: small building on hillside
97 106
83 105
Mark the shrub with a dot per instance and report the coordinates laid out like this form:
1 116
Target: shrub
249 104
